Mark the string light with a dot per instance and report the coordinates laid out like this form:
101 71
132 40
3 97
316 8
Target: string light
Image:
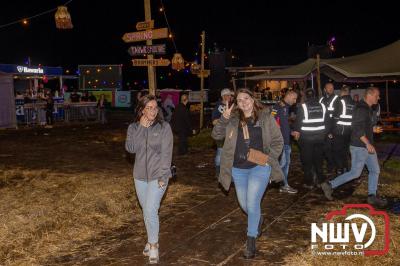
26 20
162 9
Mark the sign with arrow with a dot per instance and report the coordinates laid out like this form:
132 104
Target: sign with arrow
158 49
205 73
139 36
151 62
145 25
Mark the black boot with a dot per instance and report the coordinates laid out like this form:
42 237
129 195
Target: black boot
250 251
260 224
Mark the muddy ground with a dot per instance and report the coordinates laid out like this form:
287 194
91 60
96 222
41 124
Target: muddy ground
67 198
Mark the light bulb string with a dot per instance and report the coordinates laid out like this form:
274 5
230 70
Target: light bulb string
31 17
169 27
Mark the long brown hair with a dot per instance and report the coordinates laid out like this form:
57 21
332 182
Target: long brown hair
257 107
142 104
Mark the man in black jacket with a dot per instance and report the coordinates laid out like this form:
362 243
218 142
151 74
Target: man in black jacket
342 130
181 124
329 100
310 130
362 149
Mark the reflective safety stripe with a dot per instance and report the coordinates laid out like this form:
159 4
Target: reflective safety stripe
344 123
307 120
312 128
330 107
343 115
323 110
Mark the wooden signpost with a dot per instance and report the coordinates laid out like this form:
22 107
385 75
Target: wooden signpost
147 33
204 73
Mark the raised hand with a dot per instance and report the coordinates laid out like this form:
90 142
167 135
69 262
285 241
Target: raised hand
228 110
144 121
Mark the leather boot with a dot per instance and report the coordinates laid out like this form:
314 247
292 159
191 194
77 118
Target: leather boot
250 251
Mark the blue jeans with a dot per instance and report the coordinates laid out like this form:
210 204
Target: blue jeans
285 162
250 185
217 160
150 195
359 158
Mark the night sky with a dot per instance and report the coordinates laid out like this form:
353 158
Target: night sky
258 32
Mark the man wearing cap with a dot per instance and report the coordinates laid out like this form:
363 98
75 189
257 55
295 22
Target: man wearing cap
227 98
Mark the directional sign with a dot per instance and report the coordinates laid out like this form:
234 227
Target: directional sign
145 25
139 36
205 73
150 62
147 49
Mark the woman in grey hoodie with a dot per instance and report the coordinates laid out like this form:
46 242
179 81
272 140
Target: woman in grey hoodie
151 139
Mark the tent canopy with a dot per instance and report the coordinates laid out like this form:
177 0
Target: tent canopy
383 63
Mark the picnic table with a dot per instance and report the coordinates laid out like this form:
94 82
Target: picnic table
391 123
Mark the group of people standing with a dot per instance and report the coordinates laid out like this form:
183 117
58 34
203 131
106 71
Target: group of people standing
254 148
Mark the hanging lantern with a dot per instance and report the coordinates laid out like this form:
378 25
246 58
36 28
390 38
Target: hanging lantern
177 62
63 18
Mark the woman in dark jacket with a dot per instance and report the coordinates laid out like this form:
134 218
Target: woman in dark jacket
150 138
249 126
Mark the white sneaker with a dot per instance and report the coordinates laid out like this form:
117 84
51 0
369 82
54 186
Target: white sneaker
146 249
153 255
288 189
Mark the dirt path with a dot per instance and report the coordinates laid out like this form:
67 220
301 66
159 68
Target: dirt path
200 225
206 227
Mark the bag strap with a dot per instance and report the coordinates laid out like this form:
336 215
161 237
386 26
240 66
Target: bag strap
245 129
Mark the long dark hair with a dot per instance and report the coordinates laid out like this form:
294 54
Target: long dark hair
257 107
142 104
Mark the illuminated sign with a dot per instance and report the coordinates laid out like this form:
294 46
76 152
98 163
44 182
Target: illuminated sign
24 69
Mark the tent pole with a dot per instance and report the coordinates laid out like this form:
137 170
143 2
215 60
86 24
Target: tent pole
387 98
318 78
234 84
312 81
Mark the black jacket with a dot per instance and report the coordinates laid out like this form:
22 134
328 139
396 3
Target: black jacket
327 100
340 129
317 112
362 124
181 121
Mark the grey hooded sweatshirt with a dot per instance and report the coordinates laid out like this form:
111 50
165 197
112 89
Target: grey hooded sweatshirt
153 149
